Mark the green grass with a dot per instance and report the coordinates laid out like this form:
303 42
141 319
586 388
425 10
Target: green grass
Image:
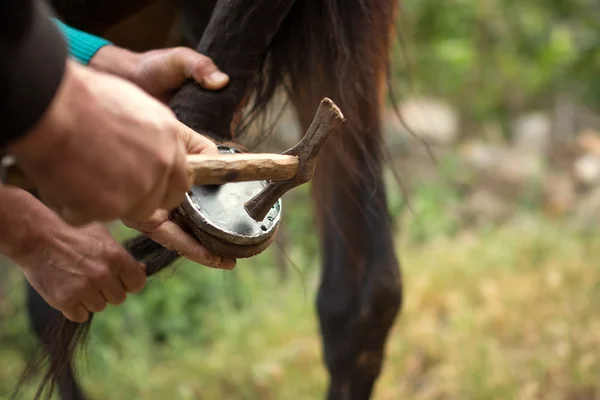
511 313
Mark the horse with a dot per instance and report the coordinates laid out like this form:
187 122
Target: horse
307 50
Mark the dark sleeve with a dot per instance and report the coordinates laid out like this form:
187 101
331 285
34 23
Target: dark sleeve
33 54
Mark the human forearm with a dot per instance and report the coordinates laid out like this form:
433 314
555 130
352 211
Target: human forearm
33 54
24 221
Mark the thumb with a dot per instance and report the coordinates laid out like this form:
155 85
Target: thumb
196 66
194 142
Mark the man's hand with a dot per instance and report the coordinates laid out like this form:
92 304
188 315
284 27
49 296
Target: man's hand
160 72
105 150
76 270
160 229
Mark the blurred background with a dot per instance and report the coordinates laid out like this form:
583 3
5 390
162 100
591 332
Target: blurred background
497 231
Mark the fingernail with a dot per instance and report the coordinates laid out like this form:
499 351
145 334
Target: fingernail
217 78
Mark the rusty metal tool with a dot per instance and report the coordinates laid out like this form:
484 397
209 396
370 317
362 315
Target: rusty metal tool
326 121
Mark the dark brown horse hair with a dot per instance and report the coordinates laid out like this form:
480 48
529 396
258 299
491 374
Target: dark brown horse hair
352 44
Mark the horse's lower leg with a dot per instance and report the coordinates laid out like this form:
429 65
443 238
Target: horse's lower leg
41 316
360 292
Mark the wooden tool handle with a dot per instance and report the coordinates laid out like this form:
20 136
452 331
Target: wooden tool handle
213 169
223 168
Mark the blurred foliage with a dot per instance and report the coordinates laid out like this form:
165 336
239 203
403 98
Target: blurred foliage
490 58
511 313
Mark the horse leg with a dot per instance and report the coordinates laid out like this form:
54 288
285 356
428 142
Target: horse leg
360 292
41 315
237 39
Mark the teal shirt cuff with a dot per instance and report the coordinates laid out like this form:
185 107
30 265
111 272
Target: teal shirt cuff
82 46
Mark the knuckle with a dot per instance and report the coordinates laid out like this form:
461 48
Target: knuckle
164 160
180 51
163 153
89 282
169 114
115 254
62 299
110 207
101 275
204 65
